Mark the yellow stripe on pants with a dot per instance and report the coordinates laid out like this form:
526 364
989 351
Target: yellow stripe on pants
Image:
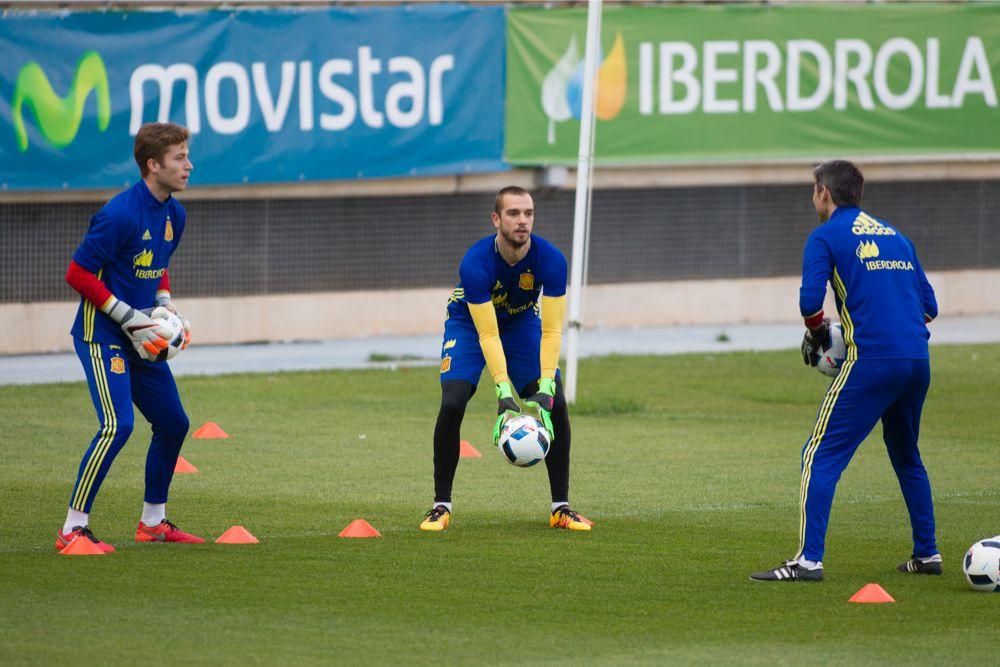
110 429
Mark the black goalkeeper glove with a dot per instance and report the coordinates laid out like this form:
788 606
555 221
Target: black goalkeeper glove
813 341
543 400
506 407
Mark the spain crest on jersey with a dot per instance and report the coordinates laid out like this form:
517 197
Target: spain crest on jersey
526 282
117 365
168 235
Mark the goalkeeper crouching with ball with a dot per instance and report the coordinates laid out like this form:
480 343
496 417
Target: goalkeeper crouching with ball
493 321
120 269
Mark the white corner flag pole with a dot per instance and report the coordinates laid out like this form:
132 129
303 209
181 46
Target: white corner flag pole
581 210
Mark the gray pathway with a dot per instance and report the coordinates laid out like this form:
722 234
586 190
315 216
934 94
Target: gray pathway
390 351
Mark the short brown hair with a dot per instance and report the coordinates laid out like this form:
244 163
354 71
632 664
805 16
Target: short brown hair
844 181
515 190
153 140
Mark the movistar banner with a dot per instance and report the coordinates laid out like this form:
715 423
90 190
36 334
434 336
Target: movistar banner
270 95
757 82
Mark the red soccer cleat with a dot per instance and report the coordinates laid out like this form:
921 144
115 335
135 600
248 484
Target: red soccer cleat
164 532
63 539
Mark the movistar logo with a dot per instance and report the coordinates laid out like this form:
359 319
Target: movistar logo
562 89
58 118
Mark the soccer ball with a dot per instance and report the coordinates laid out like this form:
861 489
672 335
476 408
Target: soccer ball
982 565
173 324
832 356
523 441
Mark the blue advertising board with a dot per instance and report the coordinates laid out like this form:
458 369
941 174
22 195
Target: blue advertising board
269 95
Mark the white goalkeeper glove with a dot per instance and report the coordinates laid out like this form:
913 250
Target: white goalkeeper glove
163 299
147 337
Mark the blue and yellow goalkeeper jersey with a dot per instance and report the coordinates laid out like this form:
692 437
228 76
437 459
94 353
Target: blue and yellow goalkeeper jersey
128 246
882 294
484 276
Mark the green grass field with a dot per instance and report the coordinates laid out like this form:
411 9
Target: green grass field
688 464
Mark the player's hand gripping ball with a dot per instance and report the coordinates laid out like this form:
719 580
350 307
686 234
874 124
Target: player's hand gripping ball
523 441
174 327
813 340
832 352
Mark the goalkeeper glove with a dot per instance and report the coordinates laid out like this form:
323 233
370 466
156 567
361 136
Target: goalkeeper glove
506 407
147 337
543 400
813 341
163 299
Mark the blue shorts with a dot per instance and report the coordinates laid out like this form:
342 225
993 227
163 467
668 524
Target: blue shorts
462 357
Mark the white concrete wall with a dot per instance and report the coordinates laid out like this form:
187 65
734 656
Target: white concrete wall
44 327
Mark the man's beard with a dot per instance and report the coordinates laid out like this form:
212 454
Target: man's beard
511 239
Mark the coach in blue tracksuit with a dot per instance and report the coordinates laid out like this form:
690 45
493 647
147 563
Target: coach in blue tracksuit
884 302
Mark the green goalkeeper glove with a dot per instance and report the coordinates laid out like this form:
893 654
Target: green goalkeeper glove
507 407
543 400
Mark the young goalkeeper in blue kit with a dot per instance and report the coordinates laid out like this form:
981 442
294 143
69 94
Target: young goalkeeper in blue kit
120 269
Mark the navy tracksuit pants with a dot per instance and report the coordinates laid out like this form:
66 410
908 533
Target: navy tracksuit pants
117 378
866 391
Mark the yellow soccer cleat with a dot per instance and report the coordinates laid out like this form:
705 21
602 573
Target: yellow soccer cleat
566 518
437 519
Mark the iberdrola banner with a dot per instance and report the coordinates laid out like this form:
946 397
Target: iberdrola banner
704 83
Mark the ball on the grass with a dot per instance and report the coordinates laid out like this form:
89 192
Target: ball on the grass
982 565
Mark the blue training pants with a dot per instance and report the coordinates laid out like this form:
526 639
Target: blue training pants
892 390
117 378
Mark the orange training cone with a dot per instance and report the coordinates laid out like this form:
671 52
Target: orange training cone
210 430
183 465
359 528
871 594
467 451
81 546
237 535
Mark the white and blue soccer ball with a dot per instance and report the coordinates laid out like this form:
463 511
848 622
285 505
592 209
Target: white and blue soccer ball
982 565
833 353
523 441
173 324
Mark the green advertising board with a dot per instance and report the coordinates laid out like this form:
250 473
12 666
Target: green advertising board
707 83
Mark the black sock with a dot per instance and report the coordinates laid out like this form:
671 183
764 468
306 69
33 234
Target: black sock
455 395
557 461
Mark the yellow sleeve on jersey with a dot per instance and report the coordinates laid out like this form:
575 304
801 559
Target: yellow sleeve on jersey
553 311
484 316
